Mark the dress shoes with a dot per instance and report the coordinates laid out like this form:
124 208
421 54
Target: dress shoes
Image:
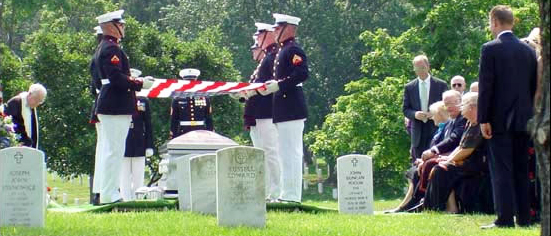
117 201
95 199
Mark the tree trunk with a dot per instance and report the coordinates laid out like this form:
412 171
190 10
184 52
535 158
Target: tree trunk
540 125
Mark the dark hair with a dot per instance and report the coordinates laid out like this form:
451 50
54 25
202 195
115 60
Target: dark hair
503 14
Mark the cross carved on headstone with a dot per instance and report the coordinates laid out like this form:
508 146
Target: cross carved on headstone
354 162
18 156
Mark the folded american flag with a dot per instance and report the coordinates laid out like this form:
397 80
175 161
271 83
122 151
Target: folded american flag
163 88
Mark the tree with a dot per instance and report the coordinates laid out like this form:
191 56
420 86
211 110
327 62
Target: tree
12 79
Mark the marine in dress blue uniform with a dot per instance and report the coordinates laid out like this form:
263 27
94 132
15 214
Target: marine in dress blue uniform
190 113
116 102
289 105
264 133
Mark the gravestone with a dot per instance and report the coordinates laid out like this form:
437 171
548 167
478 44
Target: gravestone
193 142
240 187
182 177
355 184
202 178
22 187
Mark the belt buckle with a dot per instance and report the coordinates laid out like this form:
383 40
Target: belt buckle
193 123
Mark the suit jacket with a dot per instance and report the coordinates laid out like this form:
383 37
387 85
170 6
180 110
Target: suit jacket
13 109
507 84
452 135
412 104
140 134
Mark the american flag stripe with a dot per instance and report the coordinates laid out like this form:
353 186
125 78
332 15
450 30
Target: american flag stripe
163 88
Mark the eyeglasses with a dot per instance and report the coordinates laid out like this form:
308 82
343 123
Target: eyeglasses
457 85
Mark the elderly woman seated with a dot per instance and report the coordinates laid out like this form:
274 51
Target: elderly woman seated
466 163
440 116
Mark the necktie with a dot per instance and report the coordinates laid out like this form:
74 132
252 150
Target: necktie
424 99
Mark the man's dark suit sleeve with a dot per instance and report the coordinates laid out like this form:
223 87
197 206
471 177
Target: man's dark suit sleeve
451 142
13 109
486 79
408 111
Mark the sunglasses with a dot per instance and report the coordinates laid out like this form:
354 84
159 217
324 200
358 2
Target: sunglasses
457 85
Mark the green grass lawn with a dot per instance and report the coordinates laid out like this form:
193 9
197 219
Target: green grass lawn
278 223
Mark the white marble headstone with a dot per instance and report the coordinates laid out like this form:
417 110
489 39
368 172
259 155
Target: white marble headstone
240 191
22 187
182 179
355 184
202 179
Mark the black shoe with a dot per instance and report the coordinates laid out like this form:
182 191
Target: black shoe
117 201
95 200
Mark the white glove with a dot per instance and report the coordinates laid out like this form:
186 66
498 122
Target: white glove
236 95
250 93
147 82
149 152
271 87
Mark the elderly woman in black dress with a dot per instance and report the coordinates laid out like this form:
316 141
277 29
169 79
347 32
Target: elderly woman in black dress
465 163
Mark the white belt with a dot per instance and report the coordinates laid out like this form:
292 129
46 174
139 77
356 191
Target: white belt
299 85
105 81
192 123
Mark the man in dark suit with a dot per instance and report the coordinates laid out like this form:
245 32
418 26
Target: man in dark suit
507 83
419 94
454 129
22 109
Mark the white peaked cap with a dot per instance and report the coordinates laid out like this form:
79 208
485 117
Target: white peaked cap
282 18
263 27
111 16
98 30
189 72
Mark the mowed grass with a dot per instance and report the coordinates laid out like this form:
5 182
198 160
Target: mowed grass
278 223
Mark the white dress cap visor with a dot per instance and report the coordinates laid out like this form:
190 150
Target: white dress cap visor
282 18
189 72
111 16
